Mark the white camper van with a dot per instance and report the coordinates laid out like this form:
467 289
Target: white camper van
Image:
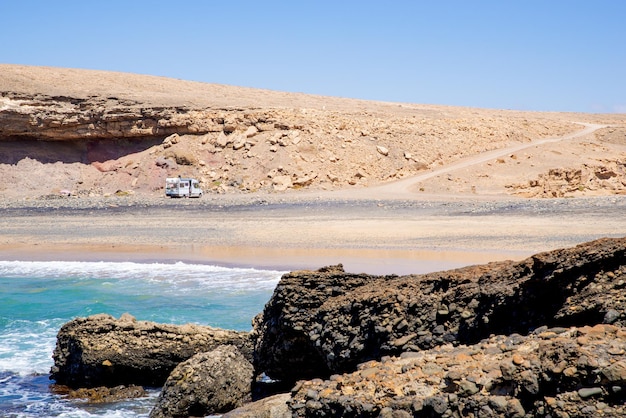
182 187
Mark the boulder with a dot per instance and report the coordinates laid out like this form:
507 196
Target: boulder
271 407
223 140
552 372
281 183
103 351
322 322
208 383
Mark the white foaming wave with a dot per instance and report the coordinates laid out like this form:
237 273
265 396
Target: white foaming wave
178 273
26 346
28 397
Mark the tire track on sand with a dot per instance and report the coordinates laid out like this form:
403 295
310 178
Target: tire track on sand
406 188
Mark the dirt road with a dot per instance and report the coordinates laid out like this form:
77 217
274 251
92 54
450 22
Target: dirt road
408 188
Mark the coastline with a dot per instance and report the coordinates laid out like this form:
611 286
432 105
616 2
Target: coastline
295 232
370 261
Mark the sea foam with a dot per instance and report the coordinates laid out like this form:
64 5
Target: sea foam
38 297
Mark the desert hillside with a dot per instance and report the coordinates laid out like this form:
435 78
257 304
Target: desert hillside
88 133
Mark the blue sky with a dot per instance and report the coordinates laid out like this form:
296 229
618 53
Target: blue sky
547 55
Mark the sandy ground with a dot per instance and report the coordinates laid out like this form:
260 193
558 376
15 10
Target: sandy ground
395 228
373 236
559 180
420 224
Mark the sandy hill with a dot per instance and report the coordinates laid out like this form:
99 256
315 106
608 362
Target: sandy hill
93 133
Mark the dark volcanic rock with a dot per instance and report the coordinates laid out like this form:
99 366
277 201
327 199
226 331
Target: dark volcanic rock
575 372
328 321
208 383
103 351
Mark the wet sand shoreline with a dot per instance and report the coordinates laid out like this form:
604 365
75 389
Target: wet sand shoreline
298 232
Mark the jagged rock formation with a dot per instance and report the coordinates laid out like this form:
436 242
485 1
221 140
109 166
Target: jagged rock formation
570 182
62 118
545 336
103 351
208 383
328 321
557 372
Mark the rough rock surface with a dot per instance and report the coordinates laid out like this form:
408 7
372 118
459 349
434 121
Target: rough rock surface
101 394
569 182
208 383
271 407
72 118
558 372
103 351
322 322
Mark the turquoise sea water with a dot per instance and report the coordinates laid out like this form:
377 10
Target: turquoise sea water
37 298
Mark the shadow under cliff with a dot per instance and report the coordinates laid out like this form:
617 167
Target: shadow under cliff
13 151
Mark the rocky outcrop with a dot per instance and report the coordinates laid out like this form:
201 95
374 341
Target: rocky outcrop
62 118
570 182
101 394
553 372
545 336
322 322
208 383
103 351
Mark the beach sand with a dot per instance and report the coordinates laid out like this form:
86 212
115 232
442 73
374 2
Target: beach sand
293 232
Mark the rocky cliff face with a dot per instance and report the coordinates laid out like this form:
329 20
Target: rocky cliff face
63 118
327 321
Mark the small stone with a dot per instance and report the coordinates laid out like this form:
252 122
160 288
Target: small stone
585 393
611 316
468 388
499 403
588 410
570 371
403 340
616 372
530 382
508 370
438 404
515 409
251 131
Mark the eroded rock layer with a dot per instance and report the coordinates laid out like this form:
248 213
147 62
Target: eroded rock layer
103 351
322 322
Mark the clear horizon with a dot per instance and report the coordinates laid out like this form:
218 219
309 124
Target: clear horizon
565 56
